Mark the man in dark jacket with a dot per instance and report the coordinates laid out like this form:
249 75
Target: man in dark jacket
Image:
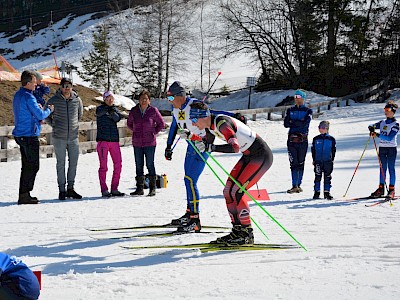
27 117
108 116
68 110
297 119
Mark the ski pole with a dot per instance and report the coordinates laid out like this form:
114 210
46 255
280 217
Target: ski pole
172 149
256 202
220 180
206 95
380 164
365 148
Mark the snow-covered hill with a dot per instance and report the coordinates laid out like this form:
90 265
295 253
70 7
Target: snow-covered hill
70 39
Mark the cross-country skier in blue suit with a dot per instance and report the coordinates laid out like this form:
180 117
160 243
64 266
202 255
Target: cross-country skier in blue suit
297 119
17 281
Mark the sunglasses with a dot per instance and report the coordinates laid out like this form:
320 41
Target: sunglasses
194 120
321 127
298 97
387 109
66 86
170 98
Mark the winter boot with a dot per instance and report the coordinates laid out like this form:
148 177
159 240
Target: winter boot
327 195
295 189
106 194
62 195
182 220
316 195
193 225
379 192
116 193
25 198
139 186
240 235
391 192
152 185
72 194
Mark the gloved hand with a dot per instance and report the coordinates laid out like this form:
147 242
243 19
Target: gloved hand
374 134
168 153
203 147
240 117
371 128
185 134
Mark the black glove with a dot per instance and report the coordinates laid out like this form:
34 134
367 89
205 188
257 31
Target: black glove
168 153
240 117
371 128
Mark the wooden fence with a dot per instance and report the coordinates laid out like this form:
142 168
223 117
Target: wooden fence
89 129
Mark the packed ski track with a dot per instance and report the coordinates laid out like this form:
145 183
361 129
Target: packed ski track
352 250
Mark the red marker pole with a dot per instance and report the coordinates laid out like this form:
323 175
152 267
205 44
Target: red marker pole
206 95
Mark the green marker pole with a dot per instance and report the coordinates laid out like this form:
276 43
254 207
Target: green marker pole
255 201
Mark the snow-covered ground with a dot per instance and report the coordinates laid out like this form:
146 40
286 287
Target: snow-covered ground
353 250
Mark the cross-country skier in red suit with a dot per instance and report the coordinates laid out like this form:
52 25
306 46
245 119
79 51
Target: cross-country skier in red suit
255 161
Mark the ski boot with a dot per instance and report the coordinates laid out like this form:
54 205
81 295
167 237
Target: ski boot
240 235
316 195
390 192
327 195
181 220
379 192
295 189
193 225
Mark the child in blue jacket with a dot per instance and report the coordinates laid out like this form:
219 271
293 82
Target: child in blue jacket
323 151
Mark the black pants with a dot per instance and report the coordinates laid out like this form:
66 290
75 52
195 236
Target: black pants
297 156
29 147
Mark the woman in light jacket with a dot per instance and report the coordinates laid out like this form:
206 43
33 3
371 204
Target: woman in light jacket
145 121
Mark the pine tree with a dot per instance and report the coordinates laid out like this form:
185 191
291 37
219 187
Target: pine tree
100 68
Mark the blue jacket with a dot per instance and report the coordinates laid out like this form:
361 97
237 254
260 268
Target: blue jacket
14 274
107 119
298 119
39 92
27 114
323 148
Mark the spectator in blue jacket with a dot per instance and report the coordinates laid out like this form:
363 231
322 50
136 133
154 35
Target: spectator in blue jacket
27 117
323 151
41 89
297 119
17 281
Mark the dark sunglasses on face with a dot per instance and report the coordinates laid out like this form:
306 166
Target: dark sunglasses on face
321 127
170 98
194 120
66 86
